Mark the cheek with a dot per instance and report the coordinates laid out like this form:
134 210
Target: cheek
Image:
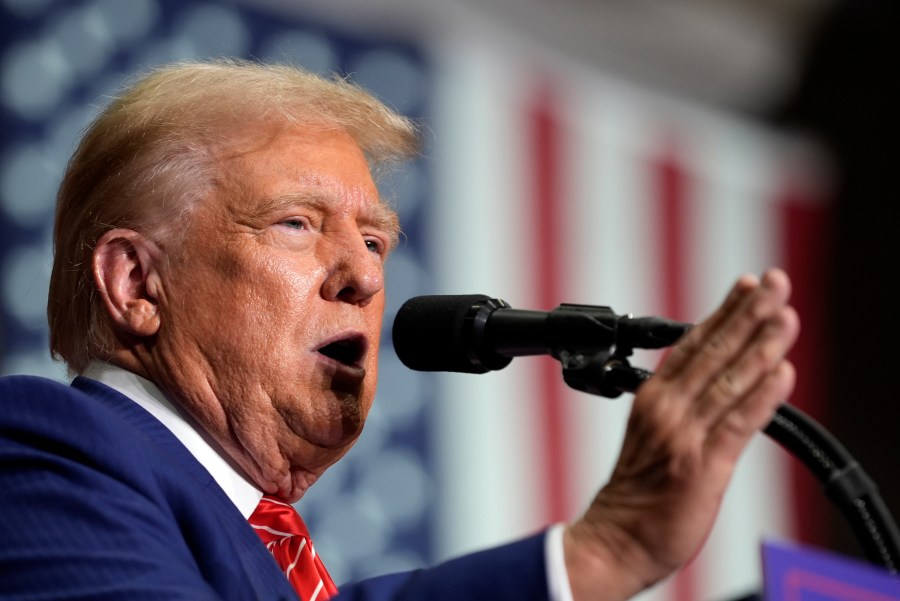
374 324
274 294
294 279
372 383
237 319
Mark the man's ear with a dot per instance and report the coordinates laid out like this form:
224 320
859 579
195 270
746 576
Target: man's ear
125 268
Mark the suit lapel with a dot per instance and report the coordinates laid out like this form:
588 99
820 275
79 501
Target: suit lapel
243 545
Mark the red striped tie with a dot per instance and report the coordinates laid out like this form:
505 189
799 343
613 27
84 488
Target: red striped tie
286 537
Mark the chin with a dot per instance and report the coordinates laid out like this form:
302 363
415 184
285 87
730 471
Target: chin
337 431
351 412
341 439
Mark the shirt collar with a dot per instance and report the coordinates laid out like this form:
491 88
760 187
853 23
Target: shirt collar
242 492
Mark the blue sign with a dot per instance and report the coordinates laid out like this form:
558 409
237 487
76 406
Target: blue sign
796 573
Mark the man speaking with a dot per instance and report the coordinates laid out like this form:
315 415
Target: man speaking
218 290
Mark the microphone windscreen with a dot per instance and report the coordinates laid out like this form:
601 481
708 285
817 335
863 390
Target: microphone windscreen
428 333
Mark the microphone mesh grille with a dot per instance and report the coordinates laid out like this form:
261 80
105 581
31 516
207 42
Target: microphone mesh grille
428 333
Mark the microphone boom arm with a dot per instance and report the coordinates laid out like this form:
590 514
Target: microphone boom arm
843 480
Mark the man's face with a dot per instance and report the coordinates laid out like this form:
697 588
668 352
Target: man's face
272 306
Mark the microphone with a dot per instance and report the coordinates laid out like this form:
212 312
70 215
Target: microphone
475 333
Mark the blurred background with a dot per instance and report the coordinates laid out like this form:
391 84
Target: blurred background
639 155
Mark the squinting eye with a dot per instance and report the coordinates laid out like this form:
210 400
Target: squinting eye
296 223
374 246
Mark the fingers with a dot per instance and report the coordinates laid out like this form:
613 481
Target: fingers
721 359
762 353
687 347
689 423
735 427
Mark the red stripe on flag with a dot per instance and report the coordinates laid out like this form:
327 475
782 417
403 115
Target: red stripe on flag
806 223
671 181
546 206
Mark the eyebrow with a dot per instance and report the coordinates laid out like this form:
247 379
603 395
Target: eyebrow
378 214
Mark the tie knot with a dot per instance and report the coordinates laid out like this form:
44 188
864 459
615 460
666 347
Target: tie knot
274 519
285 535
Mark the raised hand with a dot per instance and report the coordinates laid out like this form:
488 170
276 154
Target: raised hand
688 426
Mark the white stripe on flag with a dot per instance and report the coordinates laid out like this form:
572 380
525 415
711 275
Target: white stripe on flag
487 241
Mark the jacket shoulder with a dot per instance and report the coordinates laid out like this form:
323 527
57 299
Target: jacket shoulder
40 405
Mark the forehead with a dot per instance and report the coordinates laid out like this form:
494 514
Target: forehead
324 169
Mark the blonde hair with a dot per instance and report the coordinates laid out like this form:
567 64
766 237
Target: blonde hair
149 157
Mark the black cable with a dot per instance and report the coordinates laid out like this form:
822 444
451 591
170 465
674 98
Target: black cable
844 482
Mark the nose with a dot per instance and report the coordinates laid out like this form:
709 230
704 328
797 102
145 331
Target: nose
355 277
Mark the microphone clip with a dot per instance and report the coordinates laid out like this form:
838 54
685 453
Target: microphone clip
604 374
607 372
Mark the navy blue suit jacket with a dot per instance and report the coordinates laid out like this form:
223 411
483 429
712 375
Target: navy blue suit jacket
98 500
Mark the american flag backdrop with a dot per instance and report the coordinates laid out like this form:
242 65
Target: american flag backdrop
543 183
558 185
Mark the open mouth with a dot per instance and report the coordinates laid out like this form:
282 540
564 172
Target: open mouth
347 351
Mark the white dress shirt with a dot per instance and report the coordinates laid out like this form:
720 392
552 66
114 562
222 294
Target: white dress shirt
242 492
